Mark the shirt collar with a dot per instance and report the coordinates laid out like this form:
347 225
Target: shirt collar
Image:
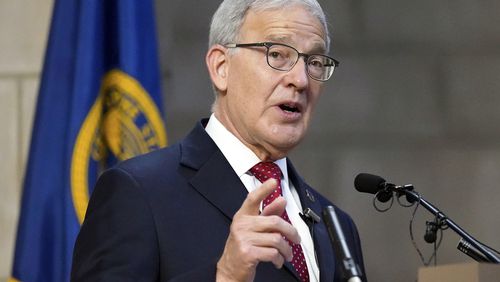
239 156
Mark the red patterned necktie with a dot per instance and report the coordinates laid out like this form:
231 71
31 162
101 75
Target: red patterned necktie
263 171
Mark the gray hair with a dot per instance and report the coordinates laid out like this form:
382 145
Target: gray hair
227 20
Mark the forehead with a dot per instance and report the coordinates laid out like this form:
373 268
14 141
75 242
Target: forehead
293 25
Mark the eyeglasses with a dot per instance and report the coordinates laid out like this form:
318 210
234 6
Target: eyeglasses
283 58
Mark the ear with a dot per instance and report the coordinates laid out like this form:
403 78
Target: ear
217 64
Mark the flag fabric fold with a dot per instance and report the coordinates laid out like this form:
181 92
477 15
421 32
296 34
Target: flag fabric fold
99 102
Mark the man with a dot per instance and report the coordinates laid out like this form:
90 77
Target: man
197 211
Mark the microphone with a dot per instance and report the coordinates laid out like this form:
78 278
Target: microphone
467 249
374 184
369 183
310 217
349 268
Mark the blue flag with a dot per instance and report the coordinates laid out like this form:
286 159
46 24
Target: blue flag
98 103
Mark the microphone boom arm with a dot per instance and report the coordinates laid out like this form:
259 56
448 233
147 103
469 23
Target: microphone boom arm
413 196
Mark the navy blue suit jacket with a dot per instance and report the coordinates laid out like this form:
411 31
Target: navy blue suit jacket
165 216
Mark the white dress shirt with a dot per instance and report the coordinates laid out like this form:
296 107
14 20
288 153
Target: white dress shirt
242 159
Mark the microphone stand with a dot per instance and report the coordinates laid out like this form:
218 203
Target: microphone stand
413 196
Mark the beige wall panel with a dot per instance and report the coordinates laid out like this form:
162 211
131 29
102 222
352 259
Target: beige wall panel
23 30
9 184
29 94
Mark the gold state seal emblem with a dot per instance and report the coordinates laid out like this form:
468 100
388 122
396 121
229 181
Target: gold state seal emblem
123 122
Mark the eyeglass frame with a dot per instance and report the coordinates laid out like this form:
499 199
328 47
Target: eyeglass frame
268 45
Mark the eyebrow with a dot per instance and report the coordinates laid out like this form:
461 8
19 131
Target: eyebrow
317 48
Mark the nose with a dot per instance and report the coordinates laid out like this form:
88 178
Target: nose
297 77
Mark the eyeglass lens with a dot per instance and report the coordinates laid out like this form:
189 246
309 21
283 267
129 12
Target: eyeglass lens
284 58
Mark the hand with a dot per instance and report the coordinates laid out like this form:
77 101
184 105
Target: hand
254 238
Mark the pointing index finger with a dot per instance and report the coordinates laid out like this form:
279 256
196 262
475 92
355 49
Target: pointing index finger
252 203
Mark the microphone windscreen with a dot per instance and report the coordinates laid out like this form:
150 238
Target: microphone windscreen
368 183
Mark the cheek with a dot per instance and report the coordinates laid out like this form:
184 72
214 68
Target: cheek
257 91
245 83
315 95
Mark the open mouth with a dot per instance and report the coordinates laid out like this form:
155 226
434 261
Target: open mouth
289 108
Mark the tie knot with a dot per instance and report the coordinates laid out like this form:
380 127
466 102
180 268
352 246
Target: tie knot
265 170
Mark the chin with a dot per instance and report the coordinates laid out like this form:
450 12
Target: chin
286 145
282 140
290 137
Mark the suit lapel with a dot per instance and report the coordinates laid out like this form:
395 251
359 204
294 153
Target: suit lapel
213 176
322 244
218 183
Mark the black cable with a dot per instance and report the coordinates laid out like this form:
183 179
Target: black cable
437 243
381 209
411 231
435 251
405 205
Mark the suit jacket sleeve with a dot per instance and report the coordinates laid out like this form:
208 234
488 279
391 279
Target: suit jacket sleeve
118 239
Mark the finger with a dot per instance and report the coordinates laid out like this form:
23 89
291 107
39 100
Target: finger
270 255
276 207
276 241
275 224
252 203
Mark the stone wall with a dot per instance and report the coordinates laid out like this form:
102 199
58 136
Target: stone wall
415 100
23 32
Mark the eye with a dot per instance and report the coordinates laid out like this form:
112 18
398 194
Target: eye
316 62
281 57
276 54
